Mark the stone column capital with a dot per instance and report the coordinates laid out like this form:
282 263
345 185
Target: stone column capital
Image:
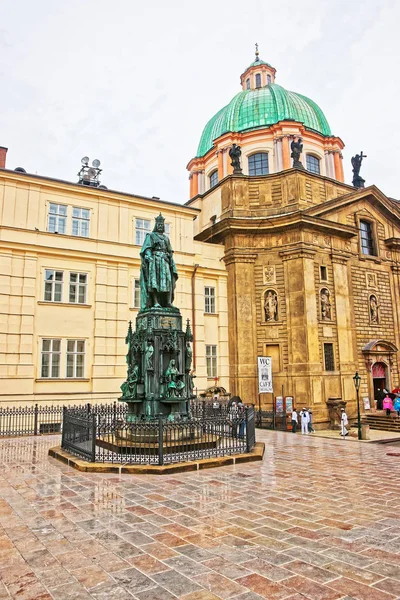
340 259
239 256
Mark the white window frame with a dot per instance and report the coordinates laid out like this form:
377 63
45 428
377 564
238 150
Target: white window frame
141 230
77 287
211 361
136 293
81 221
52 354
57 214
54 285
209 300
73 353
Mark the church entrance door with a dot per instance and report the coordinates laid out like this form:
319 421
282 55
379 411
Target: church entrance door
379 378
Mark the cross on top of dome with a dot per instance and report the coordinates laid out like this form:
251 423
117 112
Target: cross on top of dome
257 75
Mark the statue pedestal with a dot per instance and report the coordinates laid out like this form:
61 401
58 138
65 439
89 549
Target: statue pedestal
335 405
159 347
358 181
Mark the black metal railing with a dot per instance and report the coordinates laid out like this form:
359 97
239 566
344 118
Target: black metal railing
95 436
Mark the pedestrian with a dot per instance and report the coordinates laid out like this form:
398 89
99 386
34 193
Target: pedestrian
396 405
241 419
233 418
343 422
305 419
310 427
294 420
387 405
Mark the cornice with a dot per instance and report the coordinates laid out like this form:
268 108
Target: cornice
297 252
235 255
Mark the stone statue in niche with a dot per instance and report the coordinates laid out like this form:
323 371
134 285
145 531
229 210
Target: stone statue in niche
188 357
148 356
373 310
271 306
326 313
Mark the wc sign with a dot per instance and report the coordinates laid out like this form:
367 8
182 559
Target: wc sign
264 364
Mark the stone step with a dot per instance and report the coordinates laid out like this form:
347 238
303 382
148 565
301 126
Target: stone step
382 422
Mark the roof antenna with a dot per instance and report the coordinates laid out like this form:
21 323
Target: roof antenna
257 53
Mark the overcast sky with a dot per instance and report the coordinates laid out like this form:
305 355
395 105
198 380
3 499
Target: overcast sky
133 83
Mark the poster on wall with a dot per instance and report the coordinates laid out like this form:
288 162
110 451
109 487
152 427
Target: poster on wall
289 404
367 405
279 404
264 364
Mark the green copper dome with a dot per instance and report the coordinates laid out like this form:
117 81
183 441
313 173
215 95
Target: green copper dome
262 107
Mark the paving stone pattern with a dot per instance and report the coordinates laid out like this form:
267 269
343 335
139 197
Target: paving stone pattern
317 519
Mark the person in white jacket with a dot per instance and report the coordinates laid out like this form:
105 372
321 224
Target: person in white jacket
343 422
305 419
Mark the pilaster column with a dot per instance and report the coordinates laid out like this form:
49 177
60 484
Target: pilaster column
338 166
345 331
202 182
278 155
304 368
191 181
242 324
195 183
396 307
220 157
285 153
225 161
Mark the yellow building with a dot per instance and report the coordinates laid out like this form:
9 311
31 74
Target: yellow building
69 271
313 275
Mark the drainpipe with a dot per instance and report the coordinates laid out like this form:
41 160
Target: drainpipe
195 267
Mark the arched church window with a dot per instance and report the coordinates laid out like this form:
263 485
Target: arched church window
247 84
258 80
270 306
269 80
312 163
326 307
214 178
258 164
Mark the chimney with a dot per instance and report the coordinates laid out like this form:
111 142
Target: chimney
3 153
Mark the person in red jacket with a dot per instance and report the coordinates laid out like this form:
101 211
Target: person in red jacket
387 405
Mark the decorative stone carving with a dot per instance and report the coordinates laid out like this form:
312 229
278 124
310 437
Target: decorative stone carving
269 274
148 356
373 310
271 306
326 307
371 280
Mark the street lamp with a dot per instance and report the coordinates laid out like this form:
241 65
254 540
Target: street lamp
357 381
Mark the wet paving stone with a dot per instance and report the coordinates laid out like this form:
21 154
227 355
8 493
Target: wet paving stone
246 532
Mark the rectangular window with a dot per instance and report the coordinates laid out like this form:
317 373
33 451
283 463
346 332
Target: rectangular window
143 226
258 80
57 218
77 288
53 285
209 300
51 353
166 229
328 357
75 358
367 239
80 221
136 293
211 361
323 273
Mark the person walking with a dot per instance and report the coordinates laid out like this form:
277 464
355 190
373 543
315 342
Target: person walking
387 405
305 419
295 420
233 418
396 405
310 427
343 422
241 419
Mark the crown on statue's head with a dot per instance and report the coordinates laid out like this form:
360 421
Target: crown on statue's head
160 219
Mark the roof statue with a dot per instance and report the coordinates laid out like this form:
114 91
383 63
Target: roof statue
356 161
297 149
235 153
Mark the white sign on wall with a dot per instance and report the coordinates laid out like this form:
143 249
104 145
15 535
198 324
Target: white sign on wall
264 364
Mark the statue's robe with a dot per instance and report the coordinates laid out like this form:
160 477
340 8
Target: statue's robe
159 274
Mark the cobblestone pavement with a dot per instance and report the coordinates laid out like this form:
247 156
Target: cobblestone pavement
317 519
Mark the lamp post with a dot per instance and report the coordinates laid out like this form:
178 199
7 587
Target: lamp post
357 381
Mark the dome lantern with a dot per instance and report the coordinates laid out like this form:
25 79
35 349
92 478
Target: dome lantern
258 74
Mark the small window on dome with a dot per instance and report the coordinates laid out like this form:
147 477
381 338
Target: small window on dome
312 163
258 164
258 80
247 84
214 178
269 80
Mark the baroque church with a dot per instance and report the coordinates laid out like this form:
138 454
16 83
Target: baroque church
278 257
312 262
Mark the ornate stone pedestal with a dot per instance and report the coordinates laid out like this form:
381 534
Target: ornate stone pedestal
335 405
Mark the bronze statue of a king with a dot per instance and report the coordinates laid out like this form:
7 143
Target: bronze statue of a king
159 377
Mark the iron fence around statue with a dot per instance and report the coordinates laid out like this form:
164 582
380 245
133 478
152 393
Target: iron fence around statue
98 438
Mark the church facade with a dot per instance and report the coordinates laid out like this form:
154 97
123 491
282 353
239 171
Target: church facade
312 263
